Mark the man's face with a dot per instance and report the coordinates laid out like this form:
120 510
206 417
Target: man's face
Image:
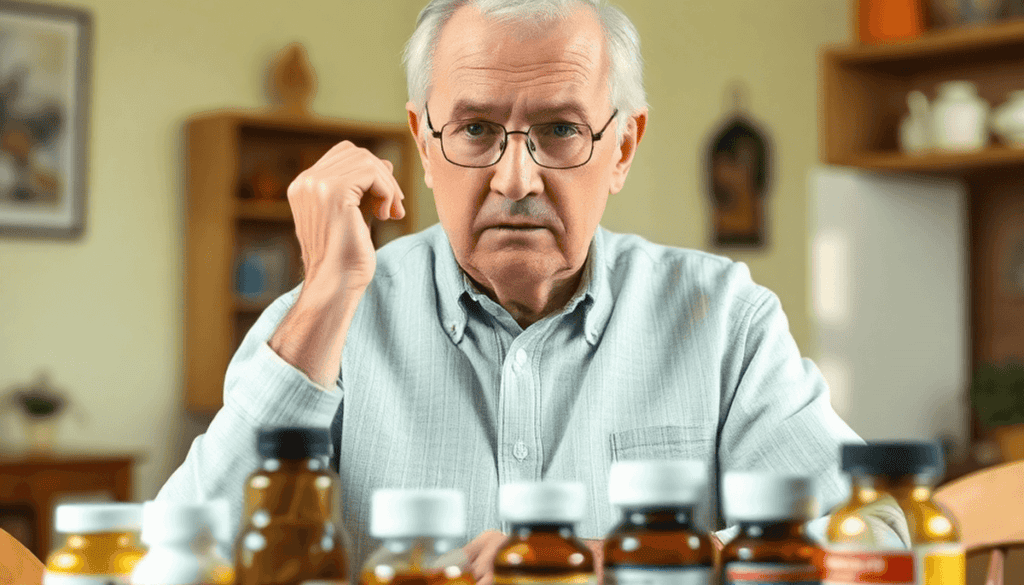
516 76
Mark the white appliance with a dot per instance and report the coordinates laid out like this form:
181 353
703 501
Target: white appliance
890 282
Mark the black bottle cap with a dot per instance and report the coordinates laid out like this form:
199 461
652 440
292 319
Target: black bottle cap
893 459
293 442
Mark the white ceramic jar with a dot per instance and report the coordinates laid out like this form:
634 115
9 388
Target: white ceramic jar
1008 120
959 118
916 127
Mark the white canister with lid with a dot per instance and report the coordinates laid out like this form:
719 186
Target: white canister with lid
959 118
1008 120
182 546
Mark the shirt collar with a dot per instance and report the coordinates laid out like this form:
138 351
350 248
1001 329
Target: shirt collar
455 289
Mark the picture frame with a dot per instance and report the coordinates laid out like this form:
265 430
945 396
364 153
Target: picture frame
45 70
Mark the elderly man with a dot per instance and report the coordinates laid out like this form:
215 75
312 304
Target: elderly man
518 340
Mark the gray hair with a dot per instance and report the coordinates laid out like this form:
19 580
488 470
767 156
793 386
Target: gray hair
622 43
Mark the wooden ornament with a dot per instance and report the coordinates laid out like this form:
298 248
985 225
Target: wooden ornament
292 81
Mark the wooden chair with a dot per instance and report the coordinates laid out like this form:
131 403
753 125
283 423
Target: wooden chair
989 505
18 566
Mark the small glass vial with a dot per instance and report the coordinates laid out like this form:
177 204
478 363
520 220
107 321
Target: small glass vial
291 520
771 546
656 542
542 547
101 545
182 546
420 530
900 473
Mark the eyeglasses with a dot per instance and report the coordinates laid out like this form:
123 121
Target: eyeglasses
477 144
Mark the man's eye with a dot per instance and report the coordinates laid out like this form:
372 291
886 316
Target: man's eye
473 129
564 130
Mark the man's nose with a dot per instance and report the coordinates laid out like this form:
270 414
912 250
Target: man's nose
516 175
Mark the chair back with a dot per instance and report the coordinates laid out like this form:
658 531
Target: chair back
17 564
989 508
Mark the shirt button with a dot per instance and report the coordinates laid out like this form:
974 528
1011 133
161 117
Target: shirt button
521 357
520 450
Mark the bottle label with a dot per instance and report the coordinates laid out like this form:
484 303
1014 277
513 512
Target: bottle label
771 573
936 564
941 564
654 575
570 579
71 579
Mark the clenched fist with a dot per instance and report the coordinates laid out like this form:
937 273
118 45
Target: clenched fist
332 202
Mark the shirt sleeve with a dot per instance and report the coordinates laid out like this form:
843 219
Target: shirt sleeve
777 416
260 390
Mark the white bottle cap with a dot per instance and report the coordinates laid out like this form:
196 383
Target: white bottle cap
408 513
750 496
171 522
654 483
545 501
98 517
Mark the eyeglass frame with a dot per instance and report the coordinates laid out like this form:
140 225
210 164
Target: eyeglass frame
594 137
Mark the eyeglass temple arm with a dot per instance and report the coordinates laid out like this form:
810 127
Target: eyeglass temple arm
597 136
434 133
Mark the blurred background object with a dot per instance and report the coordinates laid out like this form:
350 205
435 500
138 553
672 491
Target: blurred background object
887 21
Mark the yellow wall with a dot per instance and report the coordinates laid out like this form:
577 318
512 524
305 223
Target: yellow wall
104 313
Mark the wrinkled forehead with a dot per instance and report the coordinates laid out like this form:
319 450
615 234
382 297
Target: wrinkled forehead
497 62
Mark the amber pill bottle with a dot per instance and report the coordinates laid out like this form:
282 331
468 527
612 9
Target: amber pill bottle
656 541
542 547
893 473
420 531
291 519
101 545
771 546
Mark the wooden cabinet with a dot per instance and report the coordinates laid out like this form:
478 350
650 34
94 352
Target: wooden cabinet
30 489
239 224
864 96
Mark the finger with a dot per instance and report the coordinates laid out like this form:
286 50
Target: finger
473 547
391 194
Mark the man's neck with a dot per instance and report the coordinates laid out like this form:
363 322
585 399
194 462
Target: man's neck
529 302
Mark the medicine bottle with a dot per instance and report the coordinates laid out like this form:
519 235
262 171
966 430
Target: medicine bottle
903 474
420 532
656 540
291 523
542 546
101 545
182 546
771 545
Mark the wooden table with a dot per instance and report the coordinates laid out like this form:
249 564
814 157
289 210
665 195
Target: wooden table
31 486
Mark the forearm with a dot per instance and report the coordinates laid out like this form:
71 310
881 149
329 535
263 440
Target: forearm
260 390
312 335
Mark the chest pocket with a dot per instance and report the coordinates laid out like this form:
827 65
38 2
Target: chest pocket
660 442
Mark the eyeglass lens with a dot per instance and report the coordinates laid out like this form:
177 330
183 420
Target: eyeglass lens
480 143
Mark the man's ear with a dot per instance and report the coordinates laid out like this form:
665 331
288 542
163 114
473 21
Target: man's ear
415 123
627 149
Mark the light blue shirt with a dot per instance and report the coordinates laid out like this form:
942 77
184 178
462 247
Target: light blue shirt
661 353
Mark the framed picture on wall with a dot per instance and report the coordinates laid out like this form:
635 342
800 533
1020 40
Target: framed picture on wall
45 55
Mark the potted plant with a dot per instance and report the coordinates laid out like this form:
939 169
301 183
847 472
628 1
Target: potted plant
40 406
997 394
